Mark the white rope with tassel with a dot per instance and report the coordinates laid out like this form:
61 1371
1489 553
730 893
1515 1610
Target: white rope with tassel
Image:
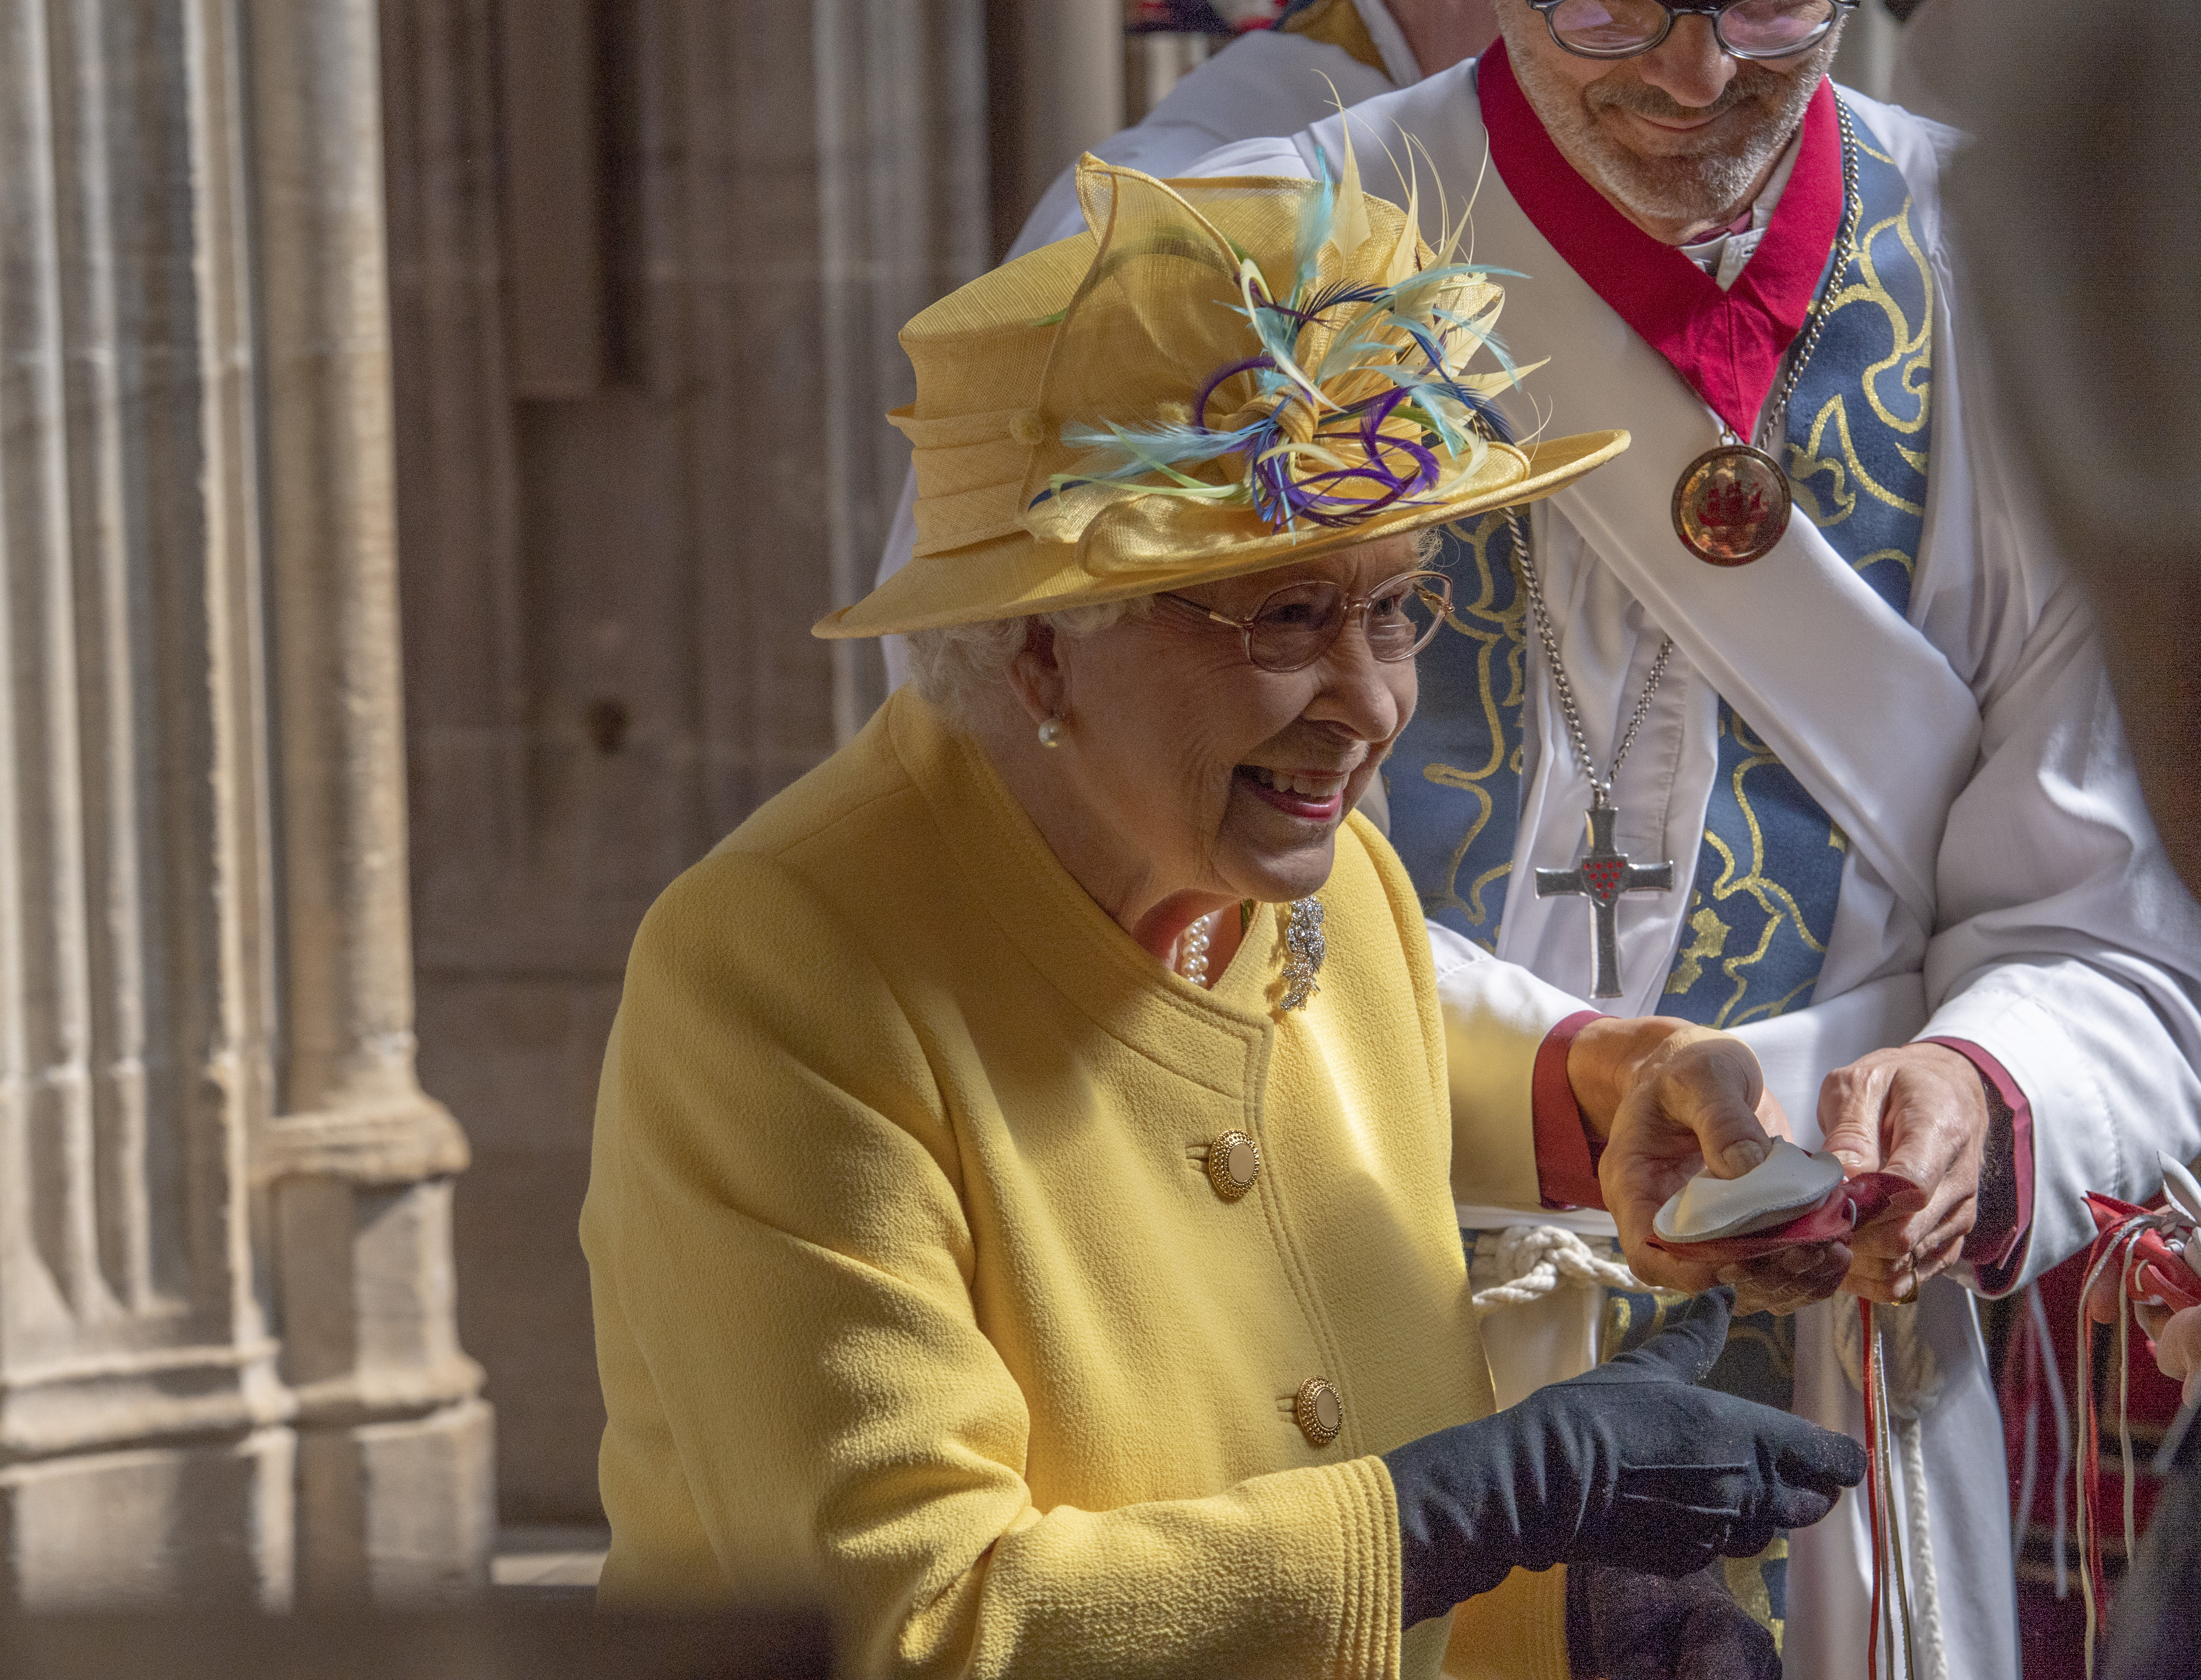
1535 1259
1910 1432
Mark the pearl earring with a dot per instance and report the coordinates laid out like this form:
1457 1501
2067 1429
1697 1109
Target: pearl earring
1052 732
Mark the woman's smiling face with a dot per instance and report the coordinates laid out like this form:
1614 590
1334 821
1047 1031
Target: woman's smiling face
1194 771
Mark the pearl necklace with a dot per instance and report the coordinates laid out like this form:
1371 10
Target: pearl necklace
1189 956
1305 946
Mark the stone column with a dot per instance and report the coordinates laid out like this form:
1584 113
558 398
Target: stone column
626 487
1872 43
901 202
394 1442
202 835
1056 82
139 1399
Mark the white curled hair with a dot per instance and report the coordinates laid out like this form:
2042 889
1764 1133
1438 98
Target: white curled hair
963 669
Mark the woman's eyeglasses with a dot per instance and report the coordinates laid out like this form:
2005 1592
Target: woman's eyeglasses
1294 626
1745 28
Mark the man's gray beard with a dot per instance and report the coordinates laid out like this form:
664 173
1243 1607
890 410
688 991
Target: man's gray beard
1695 187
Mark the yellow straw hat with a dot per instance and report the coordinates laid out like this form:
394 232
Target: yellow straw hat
1219 376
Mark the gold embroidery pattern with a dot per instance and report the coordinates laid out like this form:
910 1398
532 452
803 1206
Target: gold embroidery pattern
1775 903
1747 1585
1890 258
1859 432
1493 620
1710 942
1338 23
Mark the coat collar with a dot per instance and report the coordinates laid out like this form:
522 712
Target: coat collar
1041 912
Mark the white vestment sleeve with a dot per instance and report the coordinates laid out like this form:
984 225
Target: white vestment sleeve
2065 946
1497 1016
1288 156
1263 83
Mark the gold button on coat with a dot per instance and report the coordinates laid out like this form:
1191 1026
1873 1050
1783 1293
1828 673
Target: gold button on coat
1234 1161
1319 1411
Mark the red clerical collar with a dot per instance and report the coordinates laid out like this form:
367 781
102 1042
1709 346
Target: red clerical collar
1726 344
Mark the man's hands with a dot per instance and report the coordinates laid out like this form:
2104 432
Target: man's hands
1920 1112
1667 1097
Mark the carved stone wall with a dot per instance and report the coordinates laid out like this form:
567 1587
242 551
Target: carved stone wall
647 261
228 1362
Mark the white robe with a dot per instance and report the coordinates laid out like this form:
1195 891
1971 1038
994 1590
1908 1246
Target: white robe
2003 884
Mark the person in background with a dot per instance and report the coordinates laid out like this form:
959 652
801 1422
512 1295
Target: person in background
1019 1220
2086 233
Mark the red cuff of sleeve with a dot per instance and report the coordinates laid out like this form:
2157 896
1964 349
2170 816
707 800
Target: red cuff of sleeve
1996 1246
1566 1153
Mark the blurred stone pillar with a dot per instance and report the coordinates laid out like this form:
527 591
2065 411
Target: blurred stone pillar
227 1360
395 1450
901 220
1872 44
145 1450
1055 75
649 257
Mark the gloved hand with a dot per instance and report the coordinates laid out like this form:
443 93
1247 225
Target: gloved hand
1629 1465
1621 1626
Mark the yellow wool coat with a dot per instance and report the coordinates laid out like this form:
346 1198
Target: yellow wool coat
913 1297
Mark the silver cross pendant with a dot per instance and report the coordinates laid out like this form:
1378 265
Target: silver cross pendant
1604 874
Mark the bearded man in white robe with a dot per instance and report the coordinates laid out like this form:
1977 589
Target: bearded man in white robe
1910 860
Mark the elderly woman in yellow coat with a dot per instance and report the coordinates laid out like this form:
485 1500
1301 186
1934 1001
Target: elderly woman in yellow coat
1021 1219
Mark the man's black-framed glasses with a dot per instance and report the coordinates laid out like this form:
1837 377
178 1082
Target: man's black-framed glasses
1745 28
1297 624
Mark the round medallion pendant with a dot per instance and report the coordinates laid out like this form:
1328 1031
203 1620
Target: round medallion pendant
1732 504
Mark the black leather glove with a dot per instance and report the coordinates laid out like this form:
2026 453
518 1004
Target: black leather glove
1623 1626
1628 1465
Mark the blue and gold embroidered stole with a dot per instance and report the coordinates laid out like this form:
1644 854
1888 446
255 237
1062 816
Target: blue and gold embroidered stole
1769 870
1860 424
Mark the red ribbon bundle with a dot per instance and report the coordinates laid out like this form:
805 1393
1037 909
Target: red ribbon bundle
2159 1276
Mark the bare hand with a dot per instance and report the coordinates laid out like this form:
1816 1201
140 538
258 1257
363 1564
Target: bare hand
2176 1336
1688 1097
1917 1111
2178 1349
